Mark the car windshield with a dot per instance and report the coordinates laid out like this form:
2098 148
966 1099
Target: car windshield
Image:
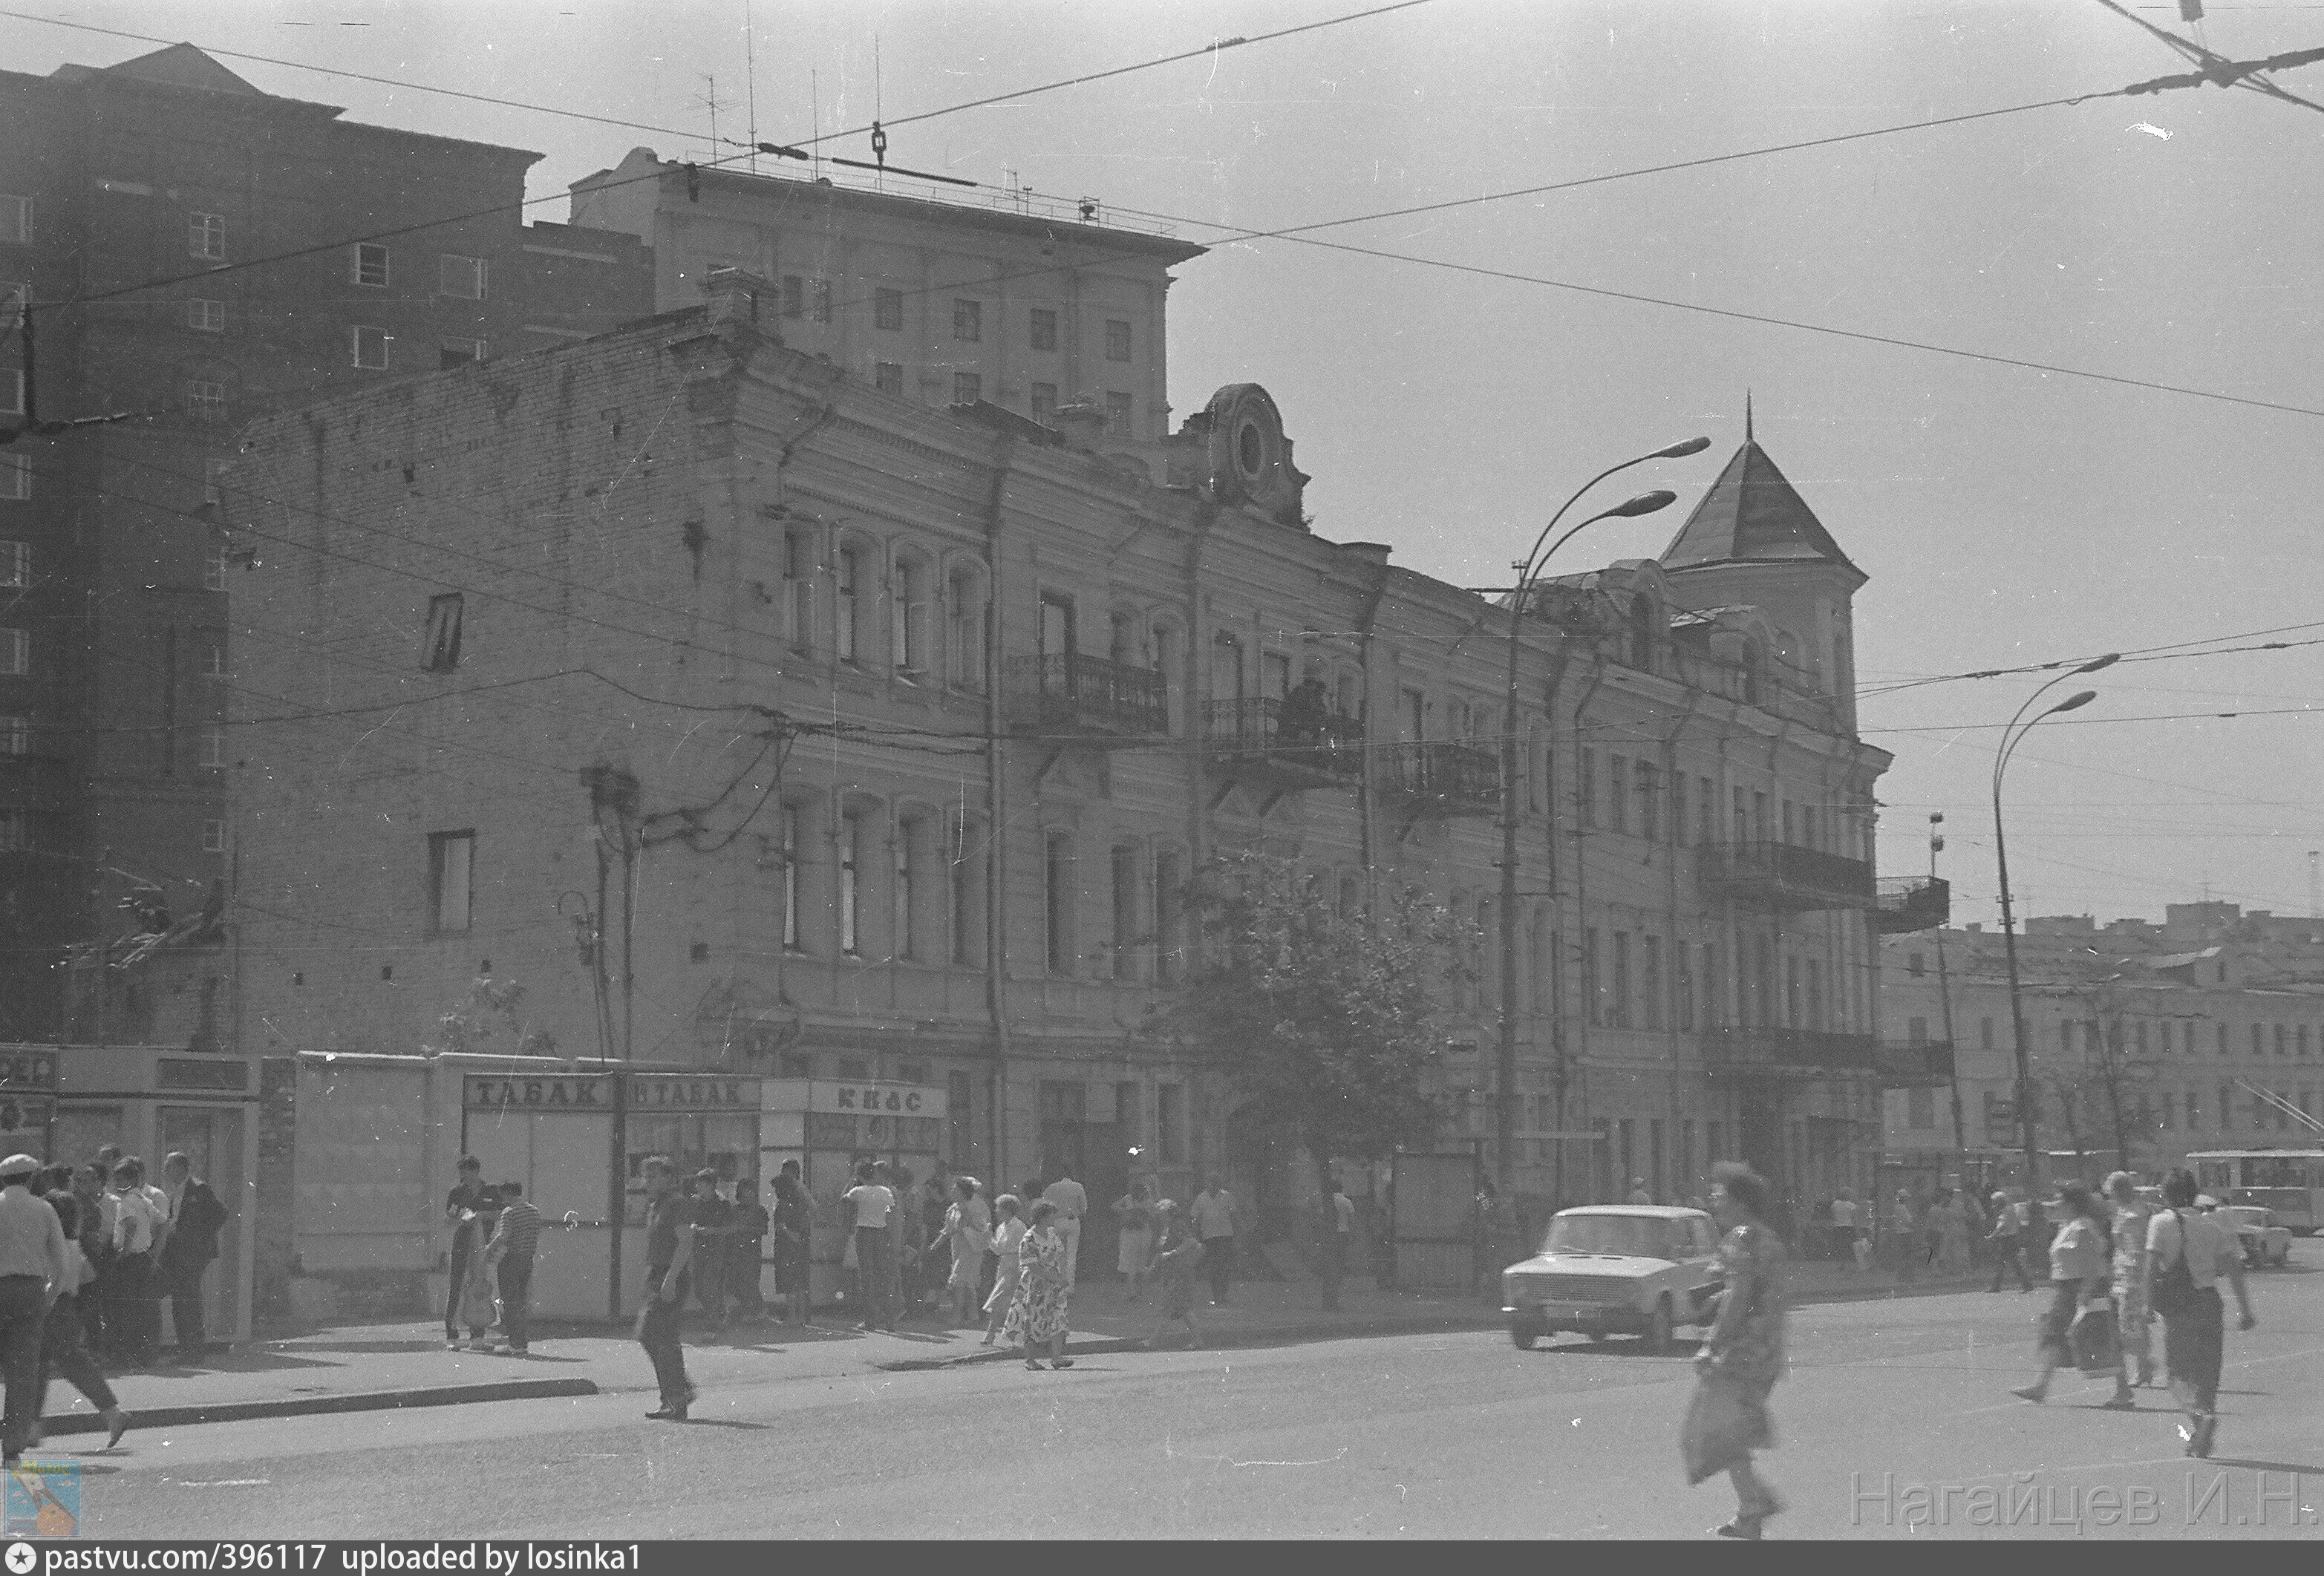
1630 1236
2246 1217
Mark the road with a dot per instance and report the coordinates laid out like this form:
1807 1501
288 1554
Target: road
1436 1436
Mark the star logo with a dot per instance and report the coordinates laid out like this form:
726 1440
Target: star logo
21 1559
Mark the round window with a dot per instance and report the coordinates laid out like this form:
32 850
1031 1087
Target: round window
1250 449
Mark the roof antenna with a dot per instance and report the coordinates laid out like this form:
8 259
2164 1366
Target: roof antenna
751 80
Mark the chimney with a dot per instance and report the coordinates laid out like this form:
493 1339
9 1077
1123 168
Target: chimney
736 296
1369 552
1081 423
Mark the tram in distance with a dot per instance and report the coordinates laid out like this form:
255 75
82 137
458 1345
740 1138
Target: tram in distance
2290 1182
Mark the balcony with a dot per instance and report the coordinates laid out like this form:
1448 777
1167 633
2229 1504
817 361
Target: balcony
1438 778
1738 1052
1909 903
1087 697
1919 1064
1248 739
1783 877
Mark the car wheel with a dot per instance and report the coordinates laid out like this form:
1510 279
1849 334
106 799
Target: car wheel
1658 1330
2284 1256
1522 1338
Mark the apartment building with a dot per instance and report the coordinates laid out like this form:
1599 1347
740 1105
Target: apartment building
202 252
2204 1032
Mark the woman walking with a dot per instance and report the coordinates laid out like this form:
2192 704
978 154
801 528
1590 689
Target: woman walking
1743 1356
792 1233
1039 1314
1134 1219
2132 1215
1175 1267
2185 1253
968 1231
2080 1266
1952 1234
1008 1238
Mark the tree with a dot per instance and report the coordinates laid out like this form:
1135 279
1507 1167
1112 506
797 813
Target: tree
1326 1017
489 1005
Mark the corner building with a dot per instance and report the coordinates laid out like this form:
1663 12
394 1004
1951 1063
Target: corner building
754 718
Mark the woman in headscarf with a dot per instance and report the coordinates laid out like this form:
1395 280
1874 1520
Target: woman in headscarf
1743 1356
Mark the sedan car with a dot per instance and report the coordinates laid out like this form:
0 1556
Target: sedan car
2263 1242
1638 1268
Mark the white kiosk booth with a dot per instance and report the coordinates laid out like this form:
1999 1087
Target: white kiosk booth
827 1127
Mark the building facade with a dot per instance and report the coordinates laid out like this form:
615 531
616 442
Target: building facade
135 202
2156 1039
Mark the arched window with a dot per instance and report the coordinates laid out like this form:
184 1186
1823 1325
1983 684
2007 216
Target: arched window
1644 616
964 631
847 623
1169 652
911 633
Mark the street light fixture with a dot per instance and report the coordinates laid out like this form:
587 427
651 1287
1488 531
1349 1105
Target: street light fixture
1505 1112
2011 733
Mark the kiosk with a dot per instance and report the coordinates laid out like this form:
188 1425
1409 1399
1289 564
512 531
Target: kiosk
828 1127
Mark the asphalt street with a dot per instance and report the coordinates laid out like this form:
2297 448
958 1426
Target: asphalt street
1895 1421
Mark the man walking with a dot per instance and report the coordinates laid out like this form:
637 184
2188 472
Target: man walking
509 1254
1213 1212
460 1208
64 1350
669 1253
32 1266
2009 1240
1072 1203
196 1218
1338 1233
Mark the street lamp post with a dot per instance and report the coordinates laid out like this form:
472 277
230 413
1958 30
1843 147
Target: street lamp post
1505 1112
2011 733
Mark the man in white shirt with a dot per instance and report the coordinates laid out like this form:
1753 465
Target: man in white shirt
2194 1333
32 1269
875 1258
139 1222
1213 1214
1072 1203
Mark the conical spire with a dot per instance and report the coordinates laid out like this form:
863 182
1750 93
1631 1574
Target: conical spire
1752 515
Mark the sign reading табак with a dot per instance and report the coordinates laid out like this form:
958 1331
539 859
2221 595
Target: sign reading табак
493 1091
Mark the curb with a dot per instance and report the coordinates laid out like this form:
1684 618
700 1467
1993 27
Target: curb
316 1405
1218 1340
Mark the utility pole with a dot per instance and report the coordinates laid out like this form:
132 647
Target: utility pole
1945 1004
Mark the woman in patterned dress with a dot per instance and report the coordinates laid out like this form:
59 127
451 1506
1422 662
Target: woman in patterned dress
1743 1356
2131 1325
1038 1314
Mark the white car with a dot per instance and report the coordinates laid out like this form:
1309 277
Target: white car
2262 1240
1638 1268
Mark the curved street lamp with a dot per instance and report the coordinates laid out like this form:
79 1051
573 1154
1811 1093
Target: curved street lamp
1505 1107
2012 732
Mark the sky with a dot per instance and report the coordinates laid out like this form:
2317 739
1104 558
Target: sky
2006 515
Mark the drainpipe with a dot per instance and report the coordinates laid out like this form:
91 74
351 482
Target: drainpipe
1564 1072
996 810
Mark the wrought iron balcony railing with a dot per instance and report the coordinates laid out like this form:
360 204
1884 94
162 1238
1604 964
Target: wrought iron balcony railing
1442 777
1739 1051
1073 694
1257 737
1780 875
1909 903
1923 1064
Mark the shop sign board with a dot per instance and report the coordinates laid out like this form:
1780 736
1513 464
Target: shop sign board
679 1092
878 1099
503 1093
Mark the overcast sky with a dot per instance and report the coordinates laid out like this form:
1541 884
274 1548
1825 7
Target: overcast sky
2005 515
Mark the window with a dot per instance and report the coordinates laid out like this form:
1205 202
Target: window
908 893
1649 803
16 653
960 1090
213 837
1984 1034
214 569
965 608
2163 1117
370 347
967 388
851 916
371 265
2227 1106
462 278
206 236
1678 807
1650 980
451 870
1117 414
16 476
910 622
1916 964
1586 786
1169 919
2194 1110
966 889
1618 1011
1045 328
968 321
440 646
819 300
1045 403
843 630
2220 1036
1117 339
888 310
1125 913
16 830
209 316
458 353
2257 1048
1682 985
1705 806
794 296
888 377
16 220
1057 900
13 738
1618 793
2279 1040
214 746
788 830
205 400
15 564
1170 1123
798 587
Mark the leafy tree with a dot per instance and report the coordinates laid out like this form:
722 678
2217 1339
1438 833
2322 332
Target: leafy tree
489 1007
1326 1017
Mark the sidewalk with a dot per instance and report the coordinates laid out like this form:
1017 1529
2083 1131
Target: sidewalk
379 1367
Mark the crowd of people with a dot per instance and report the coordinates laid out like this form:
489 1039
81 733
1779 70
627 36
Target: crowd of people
87 1256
